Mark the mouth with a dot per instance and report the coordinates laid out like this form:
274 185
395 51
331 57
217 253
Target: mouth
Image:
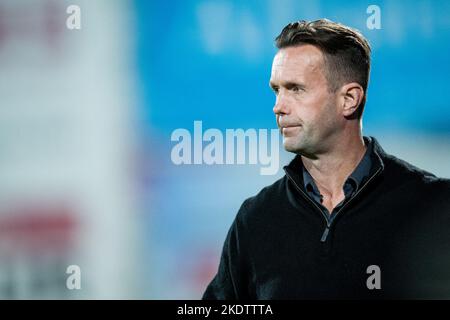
289 130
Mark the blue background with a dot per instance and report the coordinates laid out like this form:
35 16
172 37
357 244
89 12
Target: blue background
211 61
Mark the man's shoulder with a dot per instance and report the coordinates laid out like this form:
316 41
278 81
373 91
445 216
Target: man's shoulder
266 200
267 195
403 171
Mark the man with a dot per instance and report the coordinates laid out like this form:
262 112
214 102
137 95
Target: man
347 220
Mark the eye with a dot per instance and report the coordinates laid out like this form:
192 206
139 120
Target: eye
275 90
296 88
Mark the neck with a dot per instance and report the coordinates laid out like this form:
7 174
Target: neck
330 169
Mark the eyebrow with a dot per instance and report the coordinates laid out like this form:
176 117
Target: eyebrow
288 85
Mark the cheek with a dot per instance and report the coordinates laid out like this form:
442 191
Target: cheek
329 116
308 108
318 109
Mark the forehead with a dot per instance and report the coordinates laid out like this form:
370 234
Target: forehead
299 61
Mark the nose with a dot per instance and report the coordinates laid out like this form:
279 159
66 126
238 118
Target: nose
281 106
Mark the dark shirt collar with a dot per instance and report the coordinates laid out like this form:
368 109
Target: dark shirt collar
356 178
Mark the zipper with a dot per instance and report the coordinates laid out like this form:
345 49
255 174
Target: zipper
328 221
325 233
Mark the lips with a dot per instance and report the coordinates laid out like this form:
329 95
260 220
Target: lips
289 126
289 130
283 124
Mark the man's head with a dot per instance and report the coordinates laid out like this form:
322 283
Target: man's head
320 76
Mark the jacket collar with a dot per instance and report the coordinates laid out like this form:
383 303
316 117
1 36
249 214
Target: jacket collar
295 168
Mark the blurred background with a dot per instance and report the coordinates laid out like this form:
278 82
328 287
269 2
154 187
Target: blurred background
86 118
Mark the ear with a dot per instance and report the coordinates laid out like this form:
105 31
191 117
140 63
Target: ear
352 95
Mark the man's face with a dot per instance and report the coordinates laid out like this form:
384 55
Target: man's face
306 111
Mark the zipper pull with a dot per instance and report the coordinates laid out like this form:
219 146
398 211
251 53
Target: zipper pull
325 234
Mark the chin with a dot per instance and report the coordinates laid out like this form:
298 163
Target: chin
291 146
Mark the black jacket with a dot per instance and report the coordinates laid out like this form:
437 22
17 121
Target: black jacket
399 221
